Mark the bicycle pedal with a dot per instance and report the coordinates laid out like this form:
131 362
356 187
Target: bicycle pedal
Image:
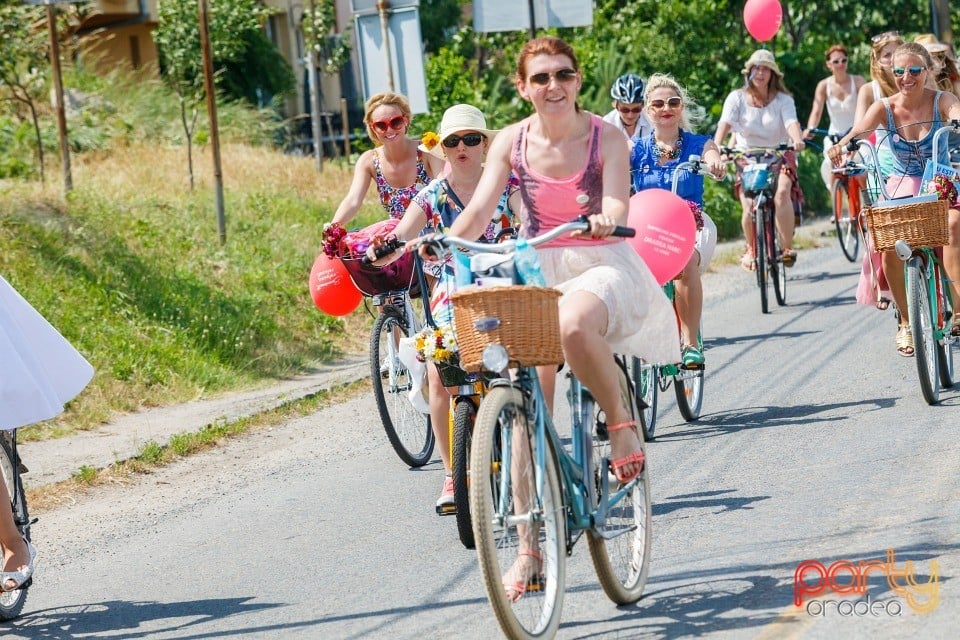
446 510
693 366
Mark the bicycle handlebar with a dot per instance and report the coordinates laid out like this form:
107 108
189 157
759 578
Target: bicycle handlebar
778 151
695 166
439 243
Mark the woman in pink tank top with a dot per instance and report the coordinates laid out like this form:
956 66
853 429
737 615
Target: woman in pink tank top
570 163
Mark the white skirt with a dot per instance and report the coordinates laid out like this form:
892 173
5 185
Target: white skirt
39 370
641 321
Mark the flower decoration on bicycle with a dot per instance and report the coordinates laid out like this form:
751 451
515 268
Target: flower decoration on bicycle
437 344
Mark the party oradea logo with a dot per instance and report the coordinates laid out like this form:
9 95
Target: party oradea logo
811 579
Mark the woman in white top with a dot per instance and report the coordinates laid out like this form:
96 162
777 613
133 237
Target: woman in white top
40 373
838 92
763 114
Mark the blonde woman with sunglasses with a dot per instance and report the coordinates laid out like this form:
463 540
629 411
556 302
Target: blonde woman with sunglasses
396 165
652 164
912 115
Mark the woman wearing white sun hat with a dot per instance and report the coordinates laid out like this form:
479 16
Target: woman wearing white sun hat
463 141
763 114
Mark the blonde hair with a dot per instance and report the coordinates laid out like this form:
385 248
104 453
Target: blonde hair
692 114
884 77
384 99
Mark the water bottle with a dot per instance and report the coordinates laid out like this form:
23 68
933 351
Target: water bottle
527 264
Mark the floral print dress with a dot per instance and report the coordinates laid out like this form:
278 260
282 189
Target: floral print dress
396 200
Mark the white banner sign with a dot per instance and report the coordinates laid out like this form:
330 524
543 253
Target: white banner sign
406 56
510 15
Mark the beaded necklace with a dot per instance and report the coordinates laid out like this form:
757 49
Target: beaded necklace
670 154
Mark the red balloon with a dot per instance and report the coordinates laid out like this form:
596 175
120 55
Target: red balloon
762 18
331 288
666 231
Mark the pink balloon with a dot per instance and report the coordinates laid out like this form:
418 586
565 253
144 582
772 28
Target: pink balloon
666 231
762 18
331 288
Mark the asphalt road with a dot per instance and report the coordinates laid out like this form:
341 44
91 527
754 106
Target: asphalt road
814 444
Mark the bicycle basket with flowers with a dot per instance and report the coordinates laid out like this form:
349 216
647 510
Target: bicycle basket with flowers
350 247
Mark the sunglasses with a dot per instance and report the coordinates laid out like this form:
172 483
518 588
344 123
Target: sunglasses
673 103
563 76
396 123
885 35
469 139
623 109
839 61
914 71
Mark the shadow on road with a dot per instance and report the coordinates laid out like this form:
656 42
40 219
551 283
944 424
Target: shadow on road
726 422
696 602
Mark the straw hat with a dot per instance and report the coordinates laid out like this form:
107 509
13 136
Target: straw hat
930 43
459 117
762 58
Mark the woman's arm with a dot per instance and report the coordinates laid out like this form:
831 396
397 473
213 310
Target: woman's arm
864 100
434 165
616 174
816 109
473 220
949 106
870 121
711 157
362 176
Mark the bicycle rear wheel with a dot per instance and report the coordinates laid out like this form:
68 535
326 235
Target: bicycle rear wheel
464 417
843 220
761 255
645 382
620 547
12 602
921 326
508 509
407 429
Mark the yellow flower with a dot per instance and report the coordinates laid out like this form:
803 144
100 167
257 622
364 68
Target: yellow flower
430 140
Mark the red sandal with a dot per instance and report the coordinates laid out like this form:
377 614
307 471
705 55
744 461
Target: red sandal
635 457
515 588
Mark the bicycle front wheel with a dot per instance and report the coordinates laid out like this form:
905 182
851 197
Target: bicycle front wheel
778 271
407 429
620 546
516 509
464 417
688 386
761 254
945 347
843 220
645 382
921 326
12 602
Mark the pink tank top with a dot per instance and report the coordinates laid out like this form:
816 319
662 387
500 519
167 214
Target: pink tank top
549 202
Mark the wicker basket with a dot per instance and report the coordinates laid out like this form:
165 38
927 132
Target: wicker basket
528 327
922 224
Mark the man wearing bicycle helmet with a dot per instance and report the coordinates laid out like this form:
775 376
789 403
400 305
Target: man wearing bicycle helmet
627 114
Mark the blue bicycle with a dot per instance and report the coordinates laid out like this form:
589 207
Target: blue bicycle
531 497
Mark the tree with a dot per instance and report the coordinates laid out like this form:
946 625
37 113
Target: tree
23 64
232 24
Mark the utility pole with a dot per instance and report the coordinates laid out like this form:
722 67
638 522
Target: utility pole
212 115
940 21
313 81
58 90
384 8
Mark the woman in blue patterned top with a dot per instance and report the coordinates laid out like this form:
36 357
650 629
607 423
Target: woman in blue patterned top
463 141
653 164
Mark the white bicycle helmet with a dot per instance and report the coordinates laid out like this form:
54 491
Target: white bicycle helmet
627 88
